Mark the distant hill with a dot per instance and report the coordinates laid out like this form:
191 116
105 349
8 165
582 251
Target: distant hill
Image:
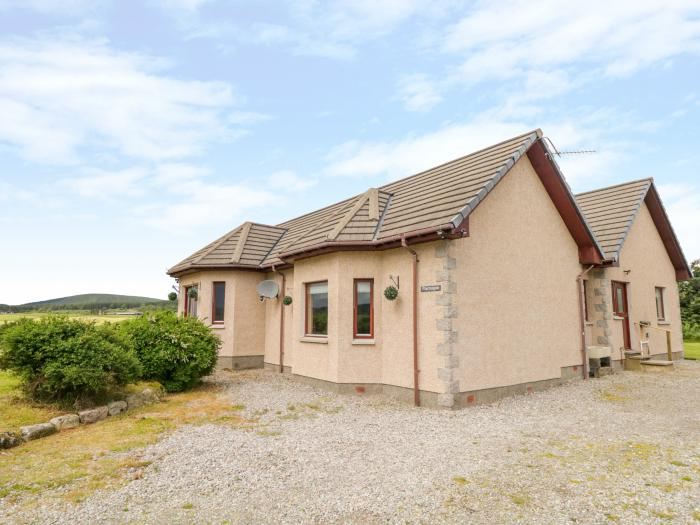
90 301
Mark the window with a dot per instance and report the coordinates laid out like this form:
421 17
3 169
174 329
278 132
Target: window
191 302
660 313
585 300
218 301
317 308
364 309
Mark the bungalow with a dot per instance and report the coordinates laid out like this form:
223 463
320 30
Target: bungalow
476 279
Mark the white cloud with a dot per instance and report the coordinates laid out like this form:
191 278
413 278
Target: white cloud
619 37
65 7
682 203
187 5
104 184
287 180
418 93
247 117
538 50
400 158
326 29
198 204
60 98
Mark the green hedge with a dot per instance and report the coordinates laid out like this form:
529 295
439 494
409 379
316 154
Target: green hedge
175 351
65 359
691 332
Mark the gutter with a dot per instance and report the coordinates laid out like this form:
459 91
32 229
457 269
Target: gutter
414 267
447 228
582 319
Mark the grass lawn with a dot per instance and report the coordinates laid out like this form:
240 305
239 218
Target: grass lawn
6 318
692 350
16 410
105 454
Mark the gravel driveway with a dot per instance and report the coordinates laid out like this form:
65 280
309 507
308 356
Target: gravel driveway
621 449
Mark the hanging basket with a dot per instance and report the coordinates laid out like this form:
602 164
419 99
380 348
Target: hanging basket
287 300
192 293
172 296
391 292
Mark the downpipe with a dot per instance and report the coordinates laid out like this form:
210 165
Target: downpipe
582 319
414 267
283 290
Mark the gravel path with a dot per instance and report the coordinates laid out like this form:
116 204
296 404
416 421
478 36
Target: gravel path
621 449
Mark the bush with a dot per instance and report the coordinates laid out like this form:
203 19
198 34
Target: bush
63 359
691 332
175 351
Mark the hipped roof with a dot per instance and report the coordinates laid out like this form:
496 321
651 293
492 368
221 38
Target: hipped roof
431 204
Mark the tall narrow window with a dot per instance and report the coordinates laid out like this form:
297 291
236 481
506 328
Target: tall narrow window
191 301
317 308
660 313
218 302
585 300
364 309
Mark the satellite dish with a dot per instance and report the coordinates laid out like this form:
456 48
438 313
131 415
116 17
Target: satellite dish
268 290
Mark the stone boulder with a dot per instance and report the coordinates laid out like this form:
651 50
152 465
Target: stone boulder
93 415
9 439
37 431
116 407
147 396
66 421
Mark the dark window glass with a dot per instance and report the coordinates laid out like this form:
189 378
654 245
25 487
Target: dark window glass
317 308
660 314
218 302
363 308
190 302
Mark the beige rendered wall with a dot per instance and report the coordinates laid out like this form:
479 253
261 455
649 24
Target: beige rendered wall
517 302
644 264
243 330
385 359
272 321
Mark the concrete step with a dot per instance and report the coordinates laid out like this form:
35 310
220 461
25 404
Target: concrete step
605 371
657 362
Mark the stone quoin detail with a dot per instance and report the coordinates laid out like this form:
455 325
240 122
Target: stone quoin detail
447 373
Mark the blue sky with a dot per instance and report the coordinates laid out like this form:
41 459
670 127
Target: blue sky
132 133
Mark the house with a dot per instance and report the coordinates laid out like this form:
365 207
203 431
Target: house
506 283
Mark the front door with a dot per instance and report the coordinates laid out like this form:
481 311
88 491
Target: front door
620 309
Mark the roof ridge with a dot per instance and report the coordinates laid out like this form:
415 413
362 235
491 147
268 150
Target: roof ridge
645 179
240 245
486 189
218 243
537 132
369 195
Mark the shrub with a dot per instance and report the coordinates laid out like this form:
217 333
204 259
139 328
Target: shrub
64 359
691 332
175 351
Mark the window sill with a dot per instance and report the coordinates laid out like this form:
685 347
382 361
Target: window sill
663 323
321 340
218 326
363 341
616 318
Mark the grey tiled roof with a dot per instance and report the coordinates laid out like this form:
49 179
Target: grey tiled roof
443 195
611 211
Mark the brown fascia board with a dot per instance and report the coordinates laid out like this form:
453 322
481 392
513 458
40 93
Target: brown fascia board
668 236
417 236
194 268
552 179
